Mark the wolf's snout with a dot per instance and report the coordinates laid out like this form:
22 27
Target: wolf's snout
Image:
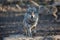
31 17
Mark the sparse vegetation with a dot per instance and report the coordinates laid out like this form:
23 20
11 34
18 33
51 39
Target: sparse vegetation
11 17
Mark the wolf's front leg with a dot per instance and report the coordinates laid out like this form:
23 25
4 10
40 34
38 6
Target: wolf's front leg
29 32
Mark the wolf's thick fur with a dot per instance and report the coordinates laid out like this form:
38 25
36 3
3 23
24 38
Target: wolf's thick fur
30 21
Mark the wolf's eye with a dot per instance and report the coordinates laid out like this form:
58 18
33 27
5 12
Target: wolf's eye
35 12
28 12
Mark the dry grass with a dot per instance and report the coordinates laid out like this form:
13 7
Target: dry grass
9 8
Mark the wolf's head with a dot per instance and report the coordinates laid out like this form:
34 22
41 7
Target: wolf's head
32 15
32 11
